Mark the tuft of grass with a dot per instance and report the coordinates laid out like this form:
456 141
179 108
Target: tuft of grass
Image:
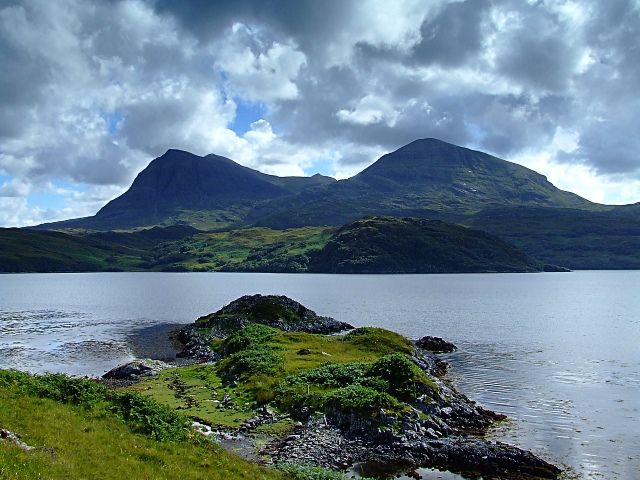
251 336
379 340
359 399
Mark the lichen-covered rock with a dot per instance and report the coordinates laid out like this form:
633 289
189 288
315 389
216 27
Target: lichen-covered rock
196 346
276 311
136 369
15 439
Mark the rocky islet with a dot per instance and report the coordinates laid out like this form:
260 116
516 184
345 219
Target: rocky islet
434 426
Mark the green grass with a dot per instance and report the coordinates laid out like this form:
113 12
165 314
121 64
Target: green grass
204 385
308 472
265 365
250 249
82 440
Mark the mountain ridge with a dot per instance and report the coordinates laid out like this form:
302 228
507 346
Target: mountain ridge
426 177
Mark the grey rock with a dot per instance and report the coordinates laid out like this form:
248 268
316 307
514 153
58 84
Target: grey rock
15 439
136 369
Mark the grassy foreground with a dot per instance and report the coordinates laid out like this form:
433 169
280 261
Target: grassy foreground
84 433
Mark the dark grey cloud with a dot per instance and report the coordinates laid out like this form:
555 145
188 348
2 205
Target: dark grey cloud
308 22
454 35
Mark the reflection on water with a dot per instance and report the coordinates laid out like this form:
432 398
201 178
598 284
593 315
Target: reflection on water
558 353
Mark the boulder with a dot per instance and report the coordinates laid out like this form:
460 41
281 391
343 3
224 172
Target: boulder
136 369
435 344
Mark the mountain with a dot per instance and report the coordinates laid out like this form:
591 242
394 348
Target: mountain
427 178
180 187
410 245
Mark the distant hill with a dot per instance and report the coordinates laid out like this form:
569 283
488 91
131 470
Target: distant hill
25 250
410 245
374 245
576 239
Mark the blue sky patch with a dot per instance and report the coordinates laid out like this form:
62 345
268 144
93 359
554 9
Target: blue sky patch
246 114
113 120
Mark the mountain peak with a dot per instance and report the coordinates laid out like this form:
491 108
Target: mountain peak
426 159
175 152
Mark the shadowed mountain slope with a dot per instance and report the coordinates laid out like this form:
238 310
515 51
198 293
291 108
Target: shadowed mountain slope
428 178
180 187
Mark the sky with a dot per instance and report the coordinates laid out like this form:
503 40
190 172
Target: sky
92 91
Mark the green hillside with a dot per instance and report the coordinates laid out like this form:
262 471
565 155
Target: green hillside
409 245
575 239
24 250
377 245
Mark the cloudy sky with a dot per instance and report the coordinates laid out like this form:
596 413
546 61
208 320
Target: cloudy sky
91 91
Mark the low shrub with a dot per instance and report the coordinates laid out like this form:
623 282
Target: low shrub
146 416
262 359
359 399
401 375
331 375
142 414
292 398
57 386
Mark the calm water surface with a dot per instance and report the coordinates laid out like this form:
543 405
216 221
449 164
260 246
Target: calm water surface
558 353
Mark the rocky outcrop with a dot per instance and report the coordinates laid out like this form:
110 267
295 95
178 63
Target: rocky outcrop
322 444
435 345
15 439
196 346
467 456
439 432
430 425
136 369
276 311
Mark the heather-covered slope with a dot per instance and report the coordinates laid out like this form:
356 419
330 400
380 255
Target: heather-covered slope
410 245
